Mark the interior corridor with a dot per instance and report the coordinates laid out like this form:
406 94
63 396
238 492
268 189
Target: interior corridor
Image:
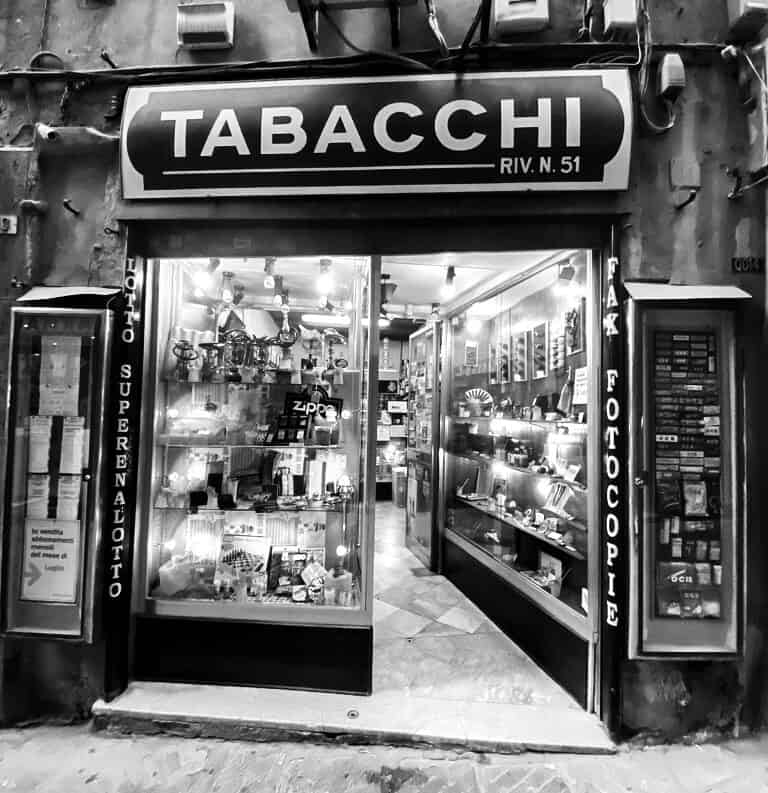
431 641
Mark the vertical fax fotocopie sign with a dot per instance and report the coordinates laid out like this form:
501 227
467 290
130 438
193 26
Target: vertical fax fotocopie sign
558 130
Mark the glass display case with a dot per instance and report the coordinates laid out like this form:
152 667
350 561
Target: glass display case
517 435
687 557
256 483
423 401
54 483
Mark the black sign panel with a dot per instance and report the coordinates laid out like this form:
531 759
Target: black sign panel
424 133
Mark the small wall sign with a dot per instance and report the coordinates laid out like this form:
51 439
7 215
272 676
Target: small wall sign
748 264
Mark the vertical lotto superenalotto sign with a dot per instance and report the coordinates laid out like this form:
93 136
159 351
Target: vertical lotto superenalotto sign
519 131
123 450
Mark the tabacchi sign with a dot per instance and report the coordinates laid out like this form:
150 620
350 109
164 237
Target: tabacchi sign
554 130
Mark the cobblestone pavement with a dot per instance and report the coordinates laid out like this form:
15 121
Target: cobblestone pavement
72 759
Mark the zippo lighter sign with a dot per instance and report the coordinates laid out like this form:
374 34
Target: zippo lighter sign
518 131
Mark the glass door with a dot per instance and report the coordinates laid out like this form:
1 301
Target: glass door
423 400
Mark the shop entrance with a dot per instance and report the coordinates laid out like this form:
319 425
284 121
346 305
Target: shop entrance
484 461
463 545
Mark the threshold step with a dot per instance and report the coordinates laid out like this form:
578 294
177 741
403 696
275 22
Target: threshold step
395 718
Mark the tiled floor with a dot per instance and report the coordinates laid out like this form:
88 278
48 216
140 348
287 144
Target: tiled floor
431 641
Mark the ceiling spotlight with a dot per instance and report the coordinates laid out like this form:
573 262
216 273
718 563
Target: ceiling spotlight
269 272
567 271
387 288
449 288
325 279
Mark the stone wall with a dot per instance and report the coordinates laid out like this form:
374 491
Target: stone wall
692 244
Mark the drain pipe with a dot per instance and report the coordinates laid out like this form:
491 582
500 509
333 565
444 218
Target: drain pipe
33 212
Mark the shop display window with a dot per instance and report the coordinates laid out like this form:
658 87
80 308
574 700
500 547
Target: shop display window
257 478
689 556
53 467
517 432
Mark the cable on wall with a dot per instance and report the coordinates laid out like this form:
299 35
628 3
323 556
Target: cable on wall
393 56
645 33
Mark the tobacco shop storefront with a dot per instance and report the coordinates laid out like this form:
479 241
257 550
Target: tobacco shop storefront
277 234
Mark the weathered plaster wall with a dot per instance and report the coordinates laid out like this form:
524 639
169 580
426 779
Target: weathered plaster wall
693 244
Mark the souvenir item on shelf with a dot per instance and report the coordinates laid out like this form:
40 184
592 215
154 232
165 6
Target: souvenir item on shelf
184 353
213 362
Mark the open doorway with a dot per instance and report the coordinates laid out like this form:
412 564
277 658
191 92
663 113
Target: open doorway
484 464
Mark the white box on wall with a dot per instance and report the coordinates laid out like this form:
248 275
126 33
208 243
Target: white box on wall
520 16
747 18
205 25
620 16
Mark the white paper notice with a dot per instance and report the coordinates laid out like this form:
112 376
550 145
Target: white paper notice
59 375
39 444
68 497
51 561
72 445
580 391
38 491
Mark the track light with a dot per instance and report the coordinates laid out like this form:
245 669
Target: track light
269 272
277 298
325 279
449 287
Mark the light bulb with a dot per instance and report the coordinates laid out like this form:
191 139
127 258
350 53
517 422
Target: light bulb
341 550
202 280
325 283
269 272
325 279
544 487
346 414
277 300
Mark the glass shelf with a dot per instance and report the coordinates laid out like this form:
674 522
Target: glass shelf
484 458
573 427
203 444
260 508
505 517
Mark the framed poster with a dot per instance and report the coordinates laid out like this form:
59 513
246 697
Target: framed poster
556 345
493 351
574 327
471 354
520 357
540 350
505 362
